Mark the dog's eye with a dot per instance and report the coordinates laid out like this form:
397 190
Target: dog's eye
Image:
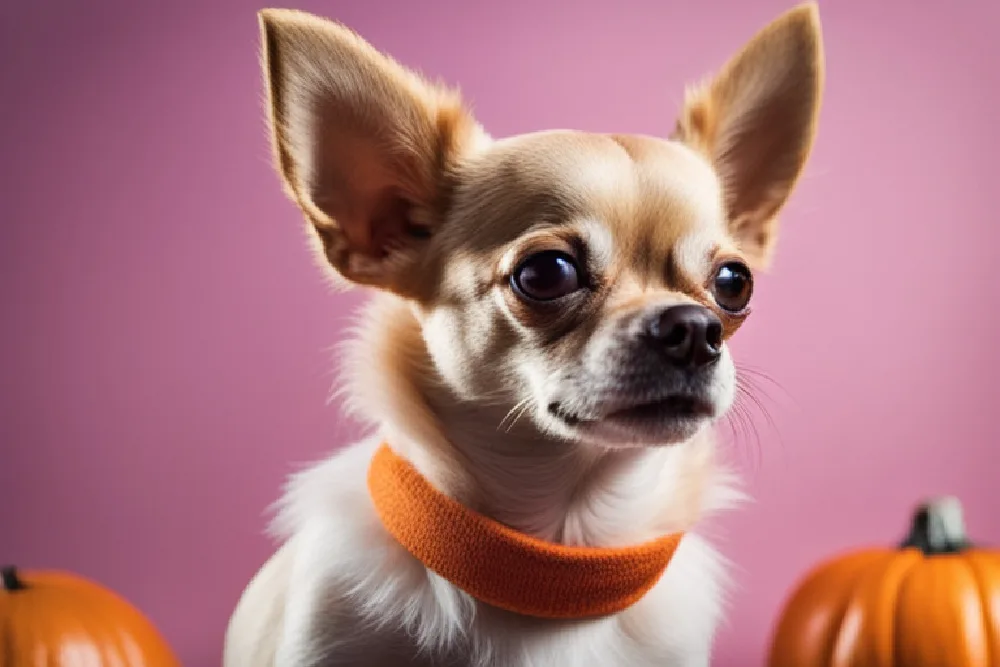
732 286
546 276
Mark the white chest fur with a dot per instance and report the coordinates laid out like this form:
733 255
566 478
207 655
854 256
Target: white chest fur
350 595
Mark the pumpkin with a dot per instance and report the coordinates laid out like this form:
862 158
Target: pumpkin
934 601
56 619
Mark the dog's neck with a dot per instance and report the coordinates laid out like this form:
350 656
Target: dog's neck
566 492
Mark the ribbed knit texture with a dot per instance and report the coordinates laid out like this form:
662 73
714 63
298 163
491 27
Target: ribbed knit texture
501 566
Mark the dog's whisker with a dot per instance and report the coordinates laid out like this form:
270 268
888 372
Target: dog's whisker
752 399
746 435
526 405
513 414
757 379
760 399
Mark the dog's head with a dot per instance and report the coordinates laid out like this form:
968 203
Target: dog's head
592 279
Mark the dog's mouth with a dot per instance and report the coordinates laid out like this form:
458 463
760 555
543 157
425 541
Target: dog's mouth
671 407
668 420
677 407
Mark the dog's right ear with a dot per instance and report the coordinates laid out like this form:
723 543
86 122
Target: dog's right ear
362 144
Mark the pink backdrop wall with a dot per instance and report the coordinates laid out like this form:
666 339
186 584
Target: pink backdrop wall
164 336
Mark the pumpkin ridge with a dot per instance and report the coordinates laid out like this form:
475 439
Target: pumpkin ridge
914 564
937 596
844 604
6 641
73 613
872 601
108 636
975 561
91 624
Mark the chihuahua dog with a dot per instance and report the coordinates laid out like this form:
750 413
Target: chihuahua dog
545 354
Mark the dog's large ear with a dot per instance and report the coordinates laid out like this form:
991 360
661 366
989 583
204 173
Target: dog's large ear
362 144
755 122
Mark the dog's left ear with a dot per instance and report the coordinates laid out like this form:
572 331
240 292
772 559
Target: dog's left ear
755 122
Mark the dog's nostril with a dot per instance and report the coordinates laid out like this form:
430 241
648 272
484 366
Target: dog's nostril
713 335
676 335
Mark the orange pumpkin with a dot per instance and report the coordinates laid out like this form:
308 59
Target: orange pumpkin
932 602
55 619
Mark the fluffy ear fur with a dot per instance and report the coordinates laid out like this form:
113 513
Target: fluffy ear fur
755 122
362 144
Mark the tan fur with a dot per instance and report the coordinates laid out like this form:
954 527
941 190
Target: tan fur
745 109
509 404
375 172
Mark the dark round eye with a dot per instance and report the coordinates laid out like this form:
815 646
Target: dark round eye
733 286
546 276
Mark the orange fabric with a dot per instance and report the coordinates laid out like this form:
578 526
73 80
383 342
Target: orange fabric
501 566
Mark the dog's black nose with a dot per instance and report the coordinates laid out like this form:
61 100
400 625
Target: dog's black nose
690 335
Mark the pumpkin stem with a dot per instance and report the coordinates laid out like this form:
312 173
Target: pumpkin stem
11 582
938 527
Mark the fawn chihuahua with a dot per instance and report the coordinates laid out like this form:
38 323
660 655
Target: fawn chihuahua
543 358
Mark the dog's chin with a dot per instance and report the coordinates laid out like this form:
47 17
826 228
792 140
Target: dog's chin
668 421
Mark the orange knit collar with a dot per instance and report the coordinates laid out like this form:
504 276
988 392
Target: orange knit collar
501 566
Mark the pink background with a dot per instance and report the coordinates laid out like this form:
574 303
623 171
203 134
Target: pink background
165 339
